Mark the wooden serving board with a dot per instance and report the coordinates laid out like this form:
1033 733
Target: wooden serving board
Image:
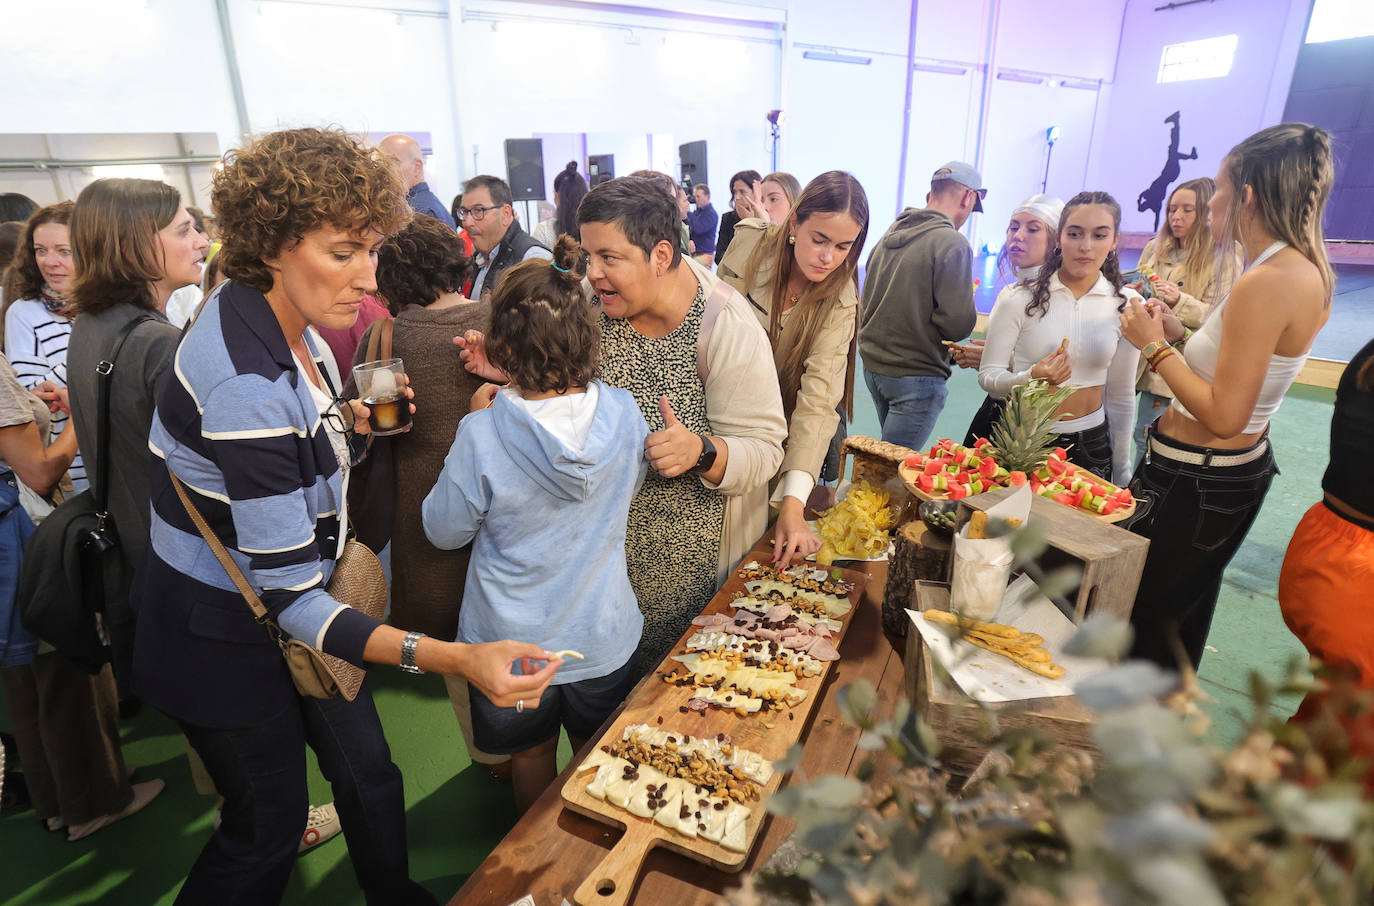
659 705
909 475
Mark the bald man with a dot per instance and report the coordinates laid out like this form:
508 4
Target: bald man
411 161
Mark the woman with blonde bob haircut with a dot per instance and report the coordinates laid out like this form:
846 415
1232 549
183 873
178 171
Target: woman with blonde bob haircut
802 278
1189 270
250 424
1208 462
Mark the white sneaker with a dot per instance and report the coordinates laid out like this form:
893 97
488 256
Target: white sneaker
322 824
144 793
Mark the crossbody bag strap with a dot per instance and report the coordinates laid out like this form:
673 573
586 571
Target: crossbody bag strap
104 379
221 553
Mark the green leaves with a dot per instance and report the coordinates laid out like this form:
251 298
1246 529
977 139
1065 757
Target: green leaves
1156 816
1101 635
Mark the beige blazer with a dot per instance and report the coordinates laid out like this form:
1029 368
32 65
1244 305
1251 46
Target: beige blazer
744 407
815 416
1192 308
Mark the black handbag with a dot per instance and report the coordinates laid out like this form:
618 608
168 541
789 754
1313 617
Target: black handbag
73 567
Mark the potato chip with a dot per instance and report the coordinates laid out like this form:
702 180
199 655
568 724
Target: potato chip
857 527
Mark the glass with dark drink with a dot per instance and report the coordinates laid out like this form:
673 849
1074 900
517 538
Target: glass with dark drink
382 388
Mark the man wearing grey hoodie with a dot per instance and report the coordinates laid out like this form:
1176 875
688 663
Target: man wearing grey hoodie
917 292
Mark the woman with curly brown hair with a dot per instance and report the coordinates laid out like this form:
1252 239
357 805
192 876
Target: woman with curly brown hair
1063 327
253 428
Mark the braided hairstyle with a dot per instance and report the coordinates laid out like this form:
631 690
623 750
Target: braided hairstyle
1111 268
541 330
1290 169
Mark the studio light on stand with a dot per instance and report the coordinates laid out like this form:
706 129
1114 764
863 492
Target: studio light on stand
1051 136
774 118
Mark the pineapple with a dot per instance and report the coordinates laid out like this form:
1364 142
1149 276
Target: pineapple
1024 435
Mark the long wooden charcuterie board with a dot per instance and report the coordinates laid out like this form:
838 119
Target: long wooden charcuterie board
661 705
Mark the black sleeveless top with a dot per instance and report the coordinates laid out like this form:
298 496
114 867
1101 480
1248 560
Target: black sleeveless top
1352 439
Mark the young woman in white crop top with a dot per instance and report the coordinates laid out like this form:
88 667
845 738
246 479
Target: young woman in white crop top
1078 297
1208 463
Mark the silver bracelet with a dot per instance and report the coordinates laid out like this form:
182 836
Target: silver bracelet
408 652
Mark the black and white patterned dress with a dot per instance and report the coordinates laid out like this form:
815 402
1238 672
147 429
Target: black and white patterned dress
672 542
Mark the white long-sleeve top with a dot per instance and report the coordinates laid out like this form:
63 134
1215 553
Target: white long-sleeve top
1099 355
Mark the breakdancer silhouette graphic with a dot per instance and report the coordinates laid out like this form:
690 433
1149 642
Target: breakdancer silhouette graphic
1152 199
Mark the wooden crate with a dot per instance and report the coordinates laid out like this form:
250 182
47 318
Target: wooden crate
1112 558
958 721
875 461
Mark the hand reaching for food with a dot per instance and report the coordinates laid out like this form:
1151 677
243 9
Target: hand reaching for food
1054 367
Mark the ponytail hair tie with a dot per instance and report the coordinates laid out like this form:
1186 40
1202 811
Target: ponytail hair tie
561 270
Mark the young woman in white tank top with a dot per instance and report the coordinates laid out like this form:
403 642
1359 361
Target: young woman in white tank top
1208 463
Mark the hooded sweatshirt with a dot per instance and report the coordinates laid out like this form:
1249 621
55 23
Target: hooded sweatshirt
547 496
918 291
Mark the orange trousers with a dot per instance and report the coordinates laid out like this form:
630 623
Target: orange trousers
1326 593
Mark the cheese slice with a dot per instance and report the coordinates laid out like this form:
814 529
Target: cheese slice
597 788
763 605
728 698
714 819
639 792
735 836
835 607
710 641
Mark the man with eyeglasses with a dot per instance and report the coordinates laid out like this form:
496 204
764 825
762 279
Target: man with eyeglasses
917 292
489 218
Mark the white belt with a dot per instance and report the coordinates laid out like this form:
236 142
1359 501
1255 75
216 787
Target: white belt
1207 459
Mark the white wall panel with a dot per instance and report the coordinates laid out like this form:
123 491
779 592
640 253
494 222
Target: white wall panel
1129 150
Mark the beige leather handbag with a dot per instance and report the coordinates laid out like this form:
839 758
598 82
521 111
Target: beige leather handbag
358 581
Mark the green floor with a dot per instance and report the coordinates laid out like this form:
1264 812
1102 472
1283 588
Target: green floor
457 814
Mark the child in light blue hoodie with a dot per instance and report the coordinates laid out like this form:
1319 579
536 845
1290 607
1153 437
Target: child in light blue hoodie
542 480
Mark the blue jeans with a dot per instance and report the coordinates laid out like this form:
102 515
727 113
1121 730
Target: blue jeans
907 406
260 772
1149 407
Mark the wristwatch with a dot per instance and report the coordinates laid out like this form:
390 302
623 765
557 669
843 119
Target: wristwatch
1153 348
708 455
408 652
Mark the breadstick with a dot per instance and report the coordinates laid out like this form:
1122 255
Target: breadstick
1063 347
952 619
1010 648
1051 670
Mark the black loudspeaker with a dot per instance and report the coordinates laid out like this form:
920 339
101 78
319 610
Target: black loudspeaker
525 168
600 167
693 159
